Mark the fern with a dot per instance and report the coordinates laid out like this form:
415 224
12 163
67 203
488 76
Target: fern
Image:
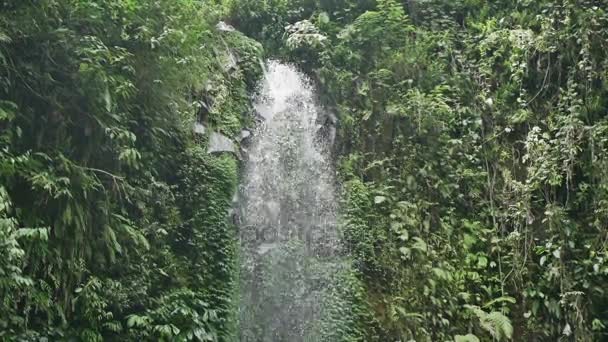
497 324
500 300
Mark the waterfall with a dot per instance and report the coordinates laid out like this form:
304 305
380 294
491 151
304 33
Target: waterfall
288 210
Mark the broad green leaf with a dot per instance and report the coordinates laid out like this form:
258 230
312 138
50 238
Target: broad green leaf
466 338
379 199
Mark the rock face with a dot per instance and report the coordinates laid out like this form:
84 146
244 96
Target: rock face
219 143
327 129
227 58
199 128
245 134
229 61
222 26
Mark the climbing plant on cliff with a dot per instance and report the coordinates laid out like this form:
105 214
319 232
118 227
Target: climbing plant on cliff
472 158
473 150
112 215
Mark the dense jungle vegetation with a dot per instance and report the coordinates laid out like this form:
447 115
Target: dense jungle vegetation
472 152
112 214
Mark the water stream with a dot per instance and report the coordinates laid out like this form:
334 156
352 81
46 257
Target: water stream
288 210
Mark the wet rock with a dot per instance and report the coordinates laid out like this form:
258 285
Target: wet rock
245 138
331 135
332 118
265 248
230 62
219 143
235 217
272 211
245 142
326 129
227 59
222 26
258 118
199 128
245 134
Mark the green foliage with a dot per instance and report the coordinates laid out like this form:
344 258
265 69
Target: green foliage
472 151
497 324
466 338
347 316
129 237
179 316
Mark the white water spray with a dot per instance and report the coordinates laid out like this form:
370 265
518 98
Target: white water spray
288 235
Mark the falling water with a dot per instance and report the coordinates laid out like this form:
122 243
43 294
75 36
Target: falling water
288 211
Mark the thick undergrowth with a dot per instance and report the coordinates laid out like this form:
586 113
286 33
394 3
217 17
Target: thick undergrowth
113 216
472 156
473 148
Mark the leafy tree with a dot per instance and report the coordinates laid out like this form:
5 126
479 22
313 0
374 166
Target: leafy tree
97 104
